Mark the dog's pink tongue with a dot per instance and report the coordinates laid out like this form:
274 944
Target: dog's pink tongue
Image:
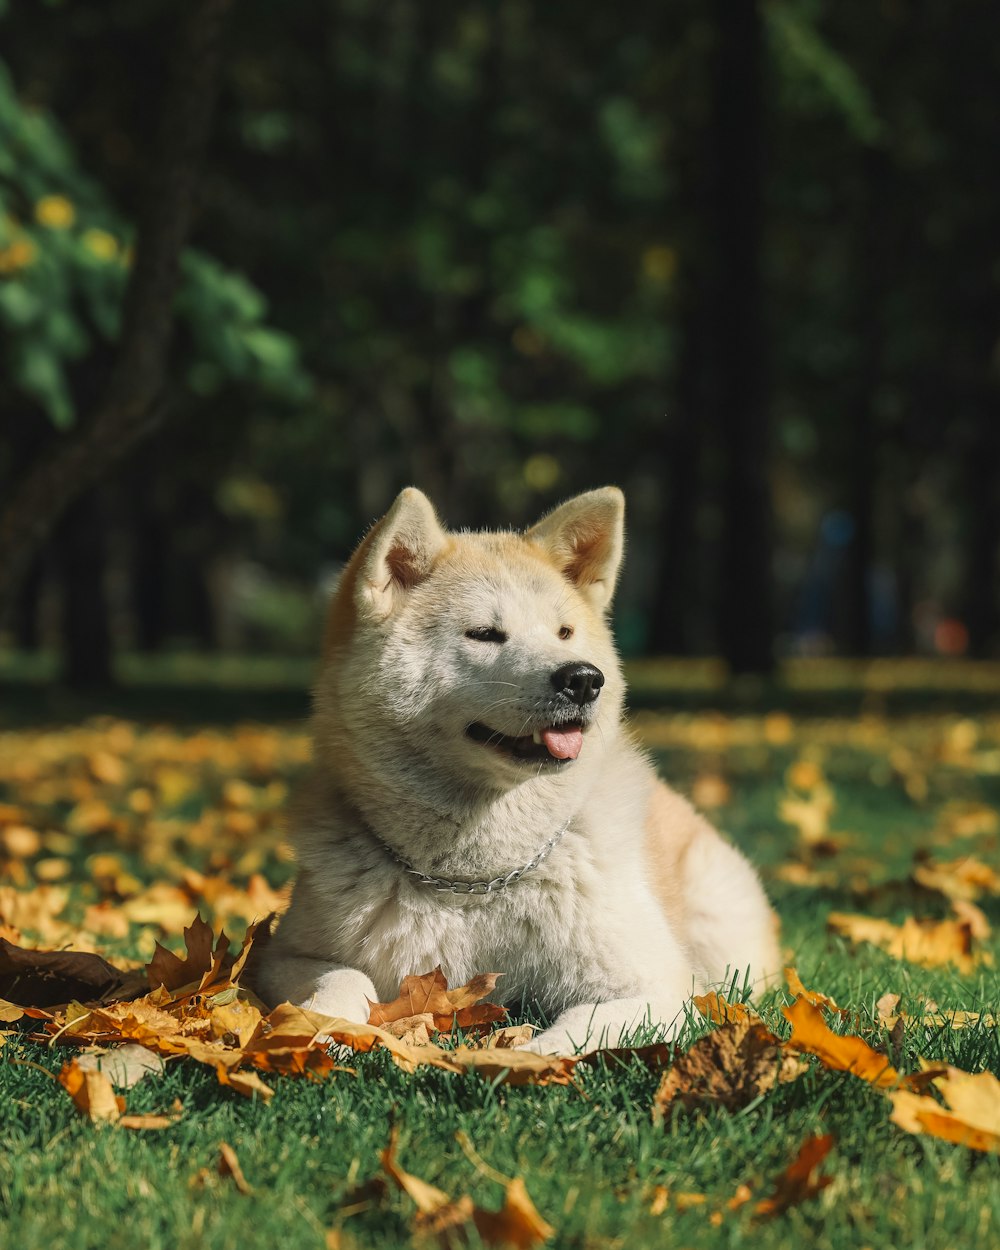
564 744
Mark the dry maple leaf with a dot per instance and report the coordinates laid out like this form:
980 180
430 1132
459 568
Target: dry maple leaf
972 1115
930 943
517 1223
426 999
201 964
730 1067
799 1180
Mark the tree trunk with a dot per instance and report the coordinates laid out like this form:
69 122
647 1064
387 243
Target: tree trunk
982 569
737 339
861 469
80 561
132 403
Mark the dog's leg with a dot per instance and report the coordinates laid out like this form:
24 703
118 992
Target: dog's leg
329 989
591 1025
731 929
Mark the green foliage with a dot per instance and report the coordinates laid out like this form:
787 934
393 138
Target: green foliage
64 258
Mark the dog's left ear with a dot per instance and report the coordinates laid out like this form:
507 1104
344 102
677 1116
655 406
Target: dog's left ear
585 537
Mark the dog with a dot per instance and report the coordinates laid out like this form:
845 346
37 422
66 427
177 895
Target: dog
475 800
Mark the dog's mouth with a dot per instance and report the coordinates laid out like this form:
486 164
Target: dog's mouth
553 744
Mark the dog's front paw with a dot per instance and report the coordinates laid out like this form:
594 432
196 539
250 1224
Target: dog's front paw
551 1042
342 993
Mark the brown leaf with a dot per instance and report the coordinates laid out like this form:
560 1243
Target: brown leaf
733 1065
9 1012
517 1223
92 1093
972 1115
229 1165
200 965
799 1181
931 943
654 1056
428 995
33 978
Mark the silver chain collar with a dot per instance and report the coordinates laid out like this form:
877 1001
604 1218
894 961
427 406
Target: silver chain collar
444 886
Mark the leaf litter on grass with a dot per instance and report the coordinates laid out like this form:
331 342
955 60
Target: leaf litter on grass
178 824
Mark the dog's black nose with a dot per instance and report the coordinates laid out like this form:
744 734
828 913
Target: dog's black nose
580 682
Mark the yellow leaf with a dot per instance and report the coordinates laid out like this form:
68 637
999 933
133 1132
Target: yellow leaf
812 1036
931 943
92 1093
971 1118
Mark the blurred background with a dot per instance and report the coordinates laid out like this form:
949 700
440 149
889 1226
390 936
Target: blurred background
739 258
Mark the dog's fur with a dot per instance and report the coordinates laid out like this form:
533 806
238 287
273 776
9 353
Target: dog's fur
639 903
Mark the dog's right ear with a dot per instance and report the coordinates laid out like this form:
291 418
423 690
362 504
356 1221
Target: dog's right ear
398 554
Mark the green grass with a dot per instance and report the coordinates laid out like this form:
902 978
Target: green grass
590 1155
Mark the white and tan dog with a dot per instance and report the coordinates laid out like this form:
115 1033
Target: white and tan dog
476 802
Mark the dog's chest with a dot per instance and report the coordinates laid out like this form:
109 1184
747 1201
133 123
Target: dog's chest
547 937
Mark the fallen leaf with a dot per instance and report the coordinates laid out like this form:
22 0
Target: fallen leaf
201 964
229 1165
730 1067
799 1181
124 1066
794 982
20 841
92 1093
930 943
517 1223
149 1121
795 872
245 1083
655 1056
963 878
711 790
811 1035
971 1117
36 978
508 1037
720 1011
512 1067
9 1012
885 1008
427 995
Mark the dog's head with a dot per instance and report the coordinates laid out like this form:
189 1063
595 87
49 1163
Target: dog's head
486 655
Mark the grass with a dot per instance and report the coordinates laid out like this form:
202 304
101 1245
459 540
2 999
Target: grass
590 1155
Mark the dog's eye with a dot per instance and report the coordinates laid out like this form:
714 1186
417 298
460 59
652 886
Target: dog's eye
565 631
486 633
